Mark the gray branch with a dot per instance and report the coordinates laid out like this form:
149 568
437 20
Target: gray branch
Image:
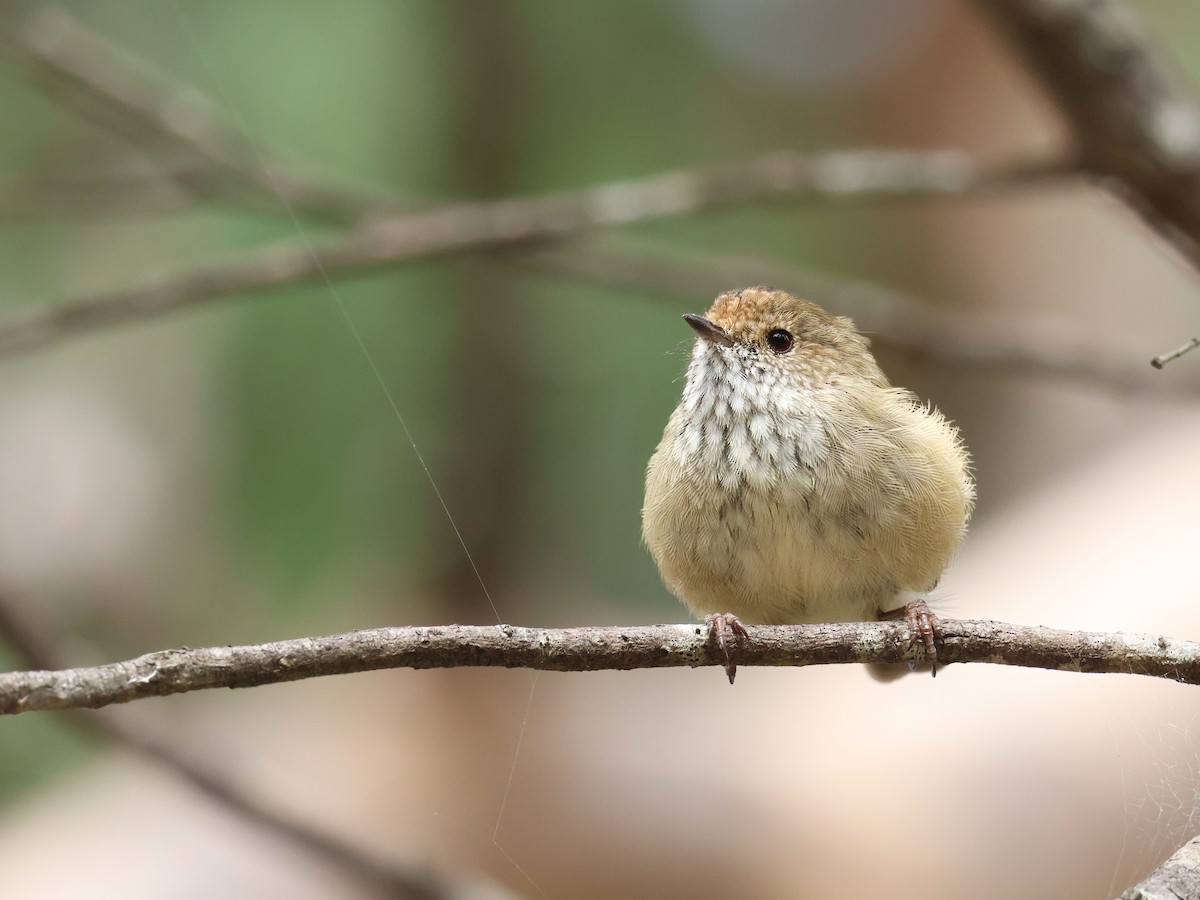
1176 879
585 650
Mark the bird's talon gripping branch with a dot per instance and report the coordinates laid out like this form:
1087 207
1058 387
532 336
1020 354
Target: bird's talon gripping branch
725 629
925 627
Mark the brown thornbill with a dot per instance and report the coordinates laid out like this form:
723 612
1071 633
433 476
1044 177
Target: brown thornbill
794 484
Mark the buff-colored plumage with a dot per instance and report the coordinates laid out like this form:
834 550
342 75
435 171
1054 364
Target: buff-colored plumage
800 486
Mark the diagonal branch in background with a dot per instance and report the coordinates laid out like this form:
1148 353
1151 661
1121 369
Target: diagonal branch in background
1132 128
405 882
586 649
408 883
465 227
1106 83
125 95
1034 346
101 75
76 65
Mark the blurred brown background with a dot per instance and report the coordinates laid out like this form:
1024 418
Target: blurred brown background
235 473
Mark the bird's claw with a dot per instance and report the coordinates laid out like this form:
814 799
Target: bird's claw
725 629
923 626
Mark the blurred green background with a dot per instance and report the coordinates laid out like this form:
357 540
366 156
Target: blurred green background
236 473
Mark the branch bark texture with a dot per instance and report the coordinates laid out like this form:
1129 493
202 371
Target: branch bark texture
1176 879
585 650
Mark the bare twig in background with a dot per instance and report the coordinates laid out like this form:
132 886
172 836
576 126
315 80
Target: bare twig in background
1120 105
121 88
1131 127
585 650
1161 360
34 650
1176 879
112 88
456 228
393 880
127 96
1032 347
78 66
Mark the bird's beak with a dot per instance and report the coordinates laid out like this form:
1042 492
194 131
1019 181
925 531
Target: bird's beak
709 330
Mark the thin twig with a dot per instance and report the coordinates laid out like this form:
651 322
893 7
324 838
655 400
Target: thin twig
35 650
584 650
1159 361
1033 347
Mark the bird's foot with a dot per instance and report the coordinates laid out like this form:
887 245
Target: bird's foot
923 626
724 629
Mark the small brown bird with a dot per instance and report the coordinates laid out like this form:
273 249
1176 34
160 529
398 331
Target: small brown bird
794 484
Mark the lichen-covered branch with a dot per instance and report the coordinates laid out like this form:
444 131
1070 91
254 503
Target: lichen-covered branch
585 650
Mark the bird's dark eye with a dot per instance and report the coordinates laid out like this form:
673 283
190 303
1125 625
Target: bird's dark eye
780 341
